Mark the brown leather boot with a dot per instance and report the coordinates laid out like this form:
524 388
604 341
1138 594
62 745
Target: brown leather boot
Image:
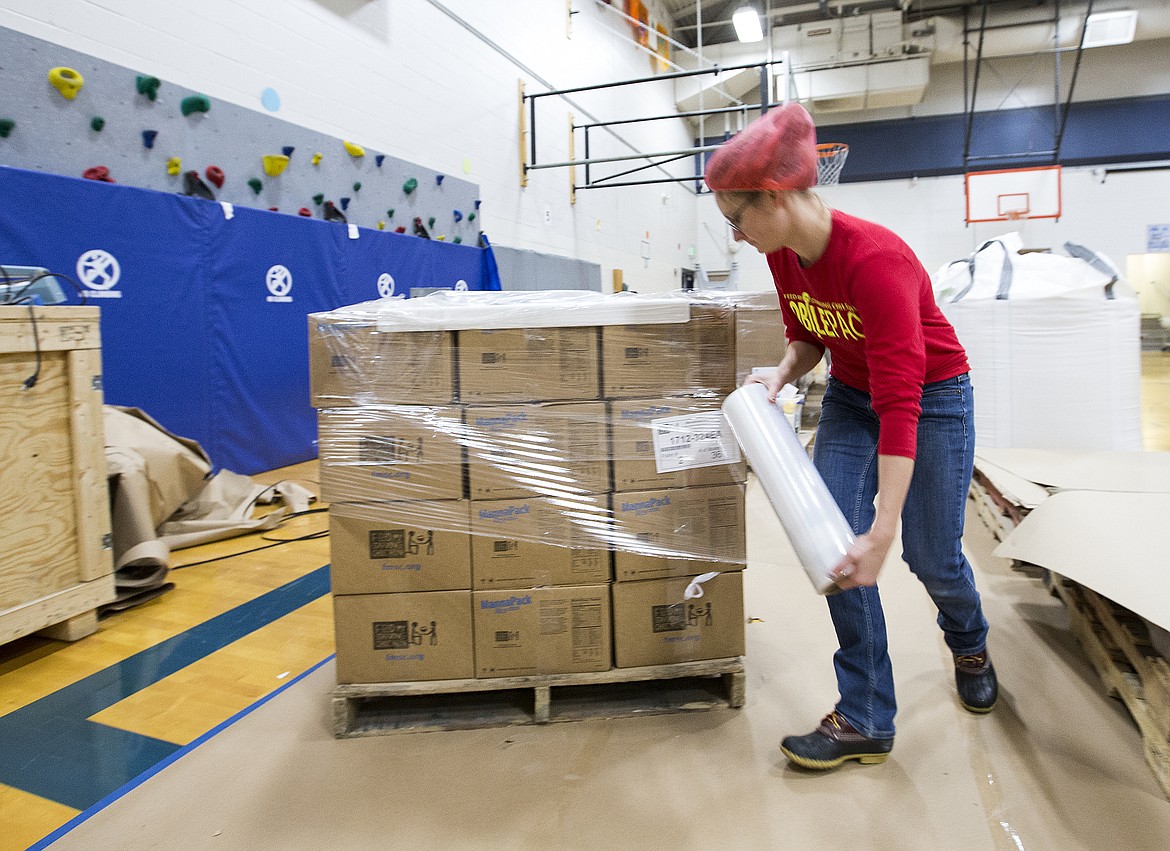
833 742
976 681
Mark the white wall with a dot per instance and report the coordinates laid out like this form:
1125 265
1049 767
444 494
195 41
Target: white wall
430 81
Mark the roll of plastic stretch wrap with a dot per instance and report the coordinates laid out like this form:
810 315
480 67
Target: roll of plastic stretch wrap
810 517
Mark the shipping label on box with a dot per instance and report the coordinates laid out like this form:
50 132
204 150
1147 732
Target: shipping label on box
679 531
654 624
686 358
639 464
384 453
542 631
352 363
527 449
396 547
393 638
526 543
528 364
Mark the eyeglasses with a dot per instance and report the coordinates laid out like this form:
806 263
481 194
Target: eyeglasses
735 217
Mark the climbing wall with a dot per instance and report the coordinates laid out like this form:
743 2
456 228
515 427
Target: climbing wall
69 113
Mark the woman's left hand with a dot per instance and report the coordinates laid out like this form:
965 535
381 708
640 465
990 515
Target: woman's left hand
863 562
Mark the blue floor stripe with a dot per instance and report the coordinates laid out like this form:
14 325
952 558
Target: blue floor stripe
155 769
48 748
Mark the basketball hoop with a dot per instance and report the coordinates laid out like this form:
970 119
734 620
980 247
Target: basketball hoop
830 160
1015 215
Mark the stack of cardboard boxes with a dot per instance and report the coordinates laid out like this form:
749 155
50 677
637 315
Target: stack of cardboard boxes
510 501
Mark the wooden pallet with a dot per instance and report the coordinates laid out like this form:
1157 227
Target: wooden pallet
1128 667
373 709
998 514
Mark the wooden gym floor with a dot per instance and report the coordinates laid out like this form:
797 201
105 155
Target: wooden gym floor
201 719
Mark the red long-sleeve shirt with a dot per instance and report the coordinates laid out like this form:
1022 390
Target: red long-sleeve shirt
869 301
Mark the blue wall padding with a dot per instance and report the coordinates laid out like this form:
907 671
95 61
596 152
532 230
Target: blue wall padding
195 337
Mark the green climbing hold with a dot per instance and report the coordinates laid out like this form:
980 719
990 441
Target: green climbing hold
390 213
471 217
97 123
256 185
195 103
457 240
319 199
431 222
6 125
147 85
357 187
410 186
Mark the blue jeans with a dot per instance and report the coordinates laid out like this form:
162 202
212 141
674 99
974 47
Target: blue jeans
845 453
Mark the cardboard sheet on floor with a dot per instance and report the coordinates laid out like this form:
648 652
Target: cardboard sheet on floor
1076 469
1012 487
1114 543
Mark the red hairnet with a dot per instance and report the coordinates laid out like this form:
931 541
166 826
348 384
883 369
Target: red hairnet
776 151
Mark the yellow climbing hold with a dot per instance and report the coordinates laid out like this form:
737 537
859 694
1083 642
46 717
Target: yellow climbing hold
316 158
174 166
67 81
274 164
354 150
381 225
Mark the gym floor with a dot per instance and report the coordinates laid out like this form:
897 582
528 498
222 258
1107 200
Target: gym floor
202 719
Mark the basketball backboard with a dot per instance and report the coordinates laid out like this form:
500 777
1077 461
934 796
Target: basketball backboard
1014 193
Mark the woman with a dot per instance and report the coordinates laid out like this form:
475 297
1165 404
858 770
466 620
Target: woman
896 420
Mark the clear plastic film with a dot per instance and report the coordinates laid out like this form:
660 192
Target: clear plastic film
558 437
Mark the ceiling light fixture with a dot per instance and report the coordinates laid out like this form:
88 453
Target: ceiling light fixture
747 24
1103 29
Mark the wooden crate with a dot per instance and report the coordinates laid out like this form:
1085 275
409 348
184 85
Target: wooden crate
381 708
56 563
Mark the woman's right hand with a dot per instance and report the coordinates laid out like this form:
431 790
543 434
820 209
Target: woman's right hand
770 380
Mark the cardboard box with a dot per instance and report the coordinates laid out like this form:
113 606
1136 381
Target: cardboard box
528 364
706 523
530 542
759 332
528 449
394 638
671 359
635 460
352 363
379 453
397 547
654 625
542 631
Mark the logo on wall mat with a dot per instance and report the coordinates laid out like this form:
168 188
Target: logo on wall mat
279 282
99 271
385 285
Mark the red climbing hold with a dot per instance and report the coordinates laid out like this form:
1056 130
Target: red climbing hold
215 175
400 229
274 209
98 172
305 211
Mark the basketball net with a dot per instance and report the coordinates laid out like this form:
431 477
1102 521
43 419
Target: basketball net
830 160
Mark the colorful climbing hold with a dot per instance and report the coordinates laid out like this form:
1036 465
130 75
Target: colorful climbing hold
195 103
410 186
378 158
381 225
270 99
344 203
174 166
457 240
192 185
354 150
332 214
306 212
148 137
287 150
6 127
471 217
274 209
215 175
316 158
477 203
441 238
439 179
256 184
390 213
400 229
147 85
274 164
97 123
458 216
98 172
318 198
431 222
357 187
67 81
